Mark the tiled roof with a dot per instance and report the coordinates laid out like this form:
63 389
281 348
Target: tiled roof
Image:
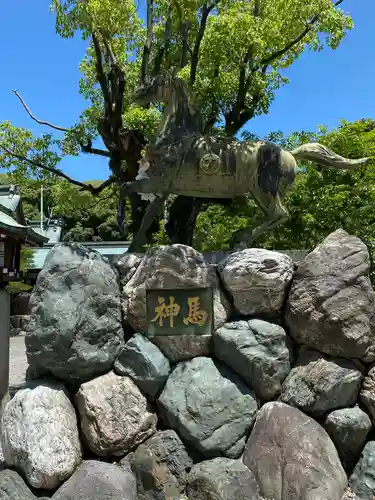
11 216
10 197
28 235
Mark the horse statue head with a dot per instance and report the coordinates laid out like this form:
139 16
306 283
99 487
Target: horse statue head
174 93
162 88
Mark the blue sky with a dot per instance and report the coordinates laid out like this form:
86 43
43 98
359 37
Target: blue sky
325 87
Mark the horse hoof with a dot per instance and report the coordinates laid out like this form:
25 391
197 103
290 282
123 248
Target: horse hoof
240 246
123 230
237 244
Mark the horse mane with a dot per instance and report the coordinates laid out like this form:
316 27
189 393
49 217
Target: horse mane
179 86
184 96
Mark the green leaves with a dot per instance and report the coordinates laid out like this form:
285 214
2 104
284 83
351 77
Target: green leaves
324 199
86 216
262 45
110 17
16 143
320 201
239 51
144 120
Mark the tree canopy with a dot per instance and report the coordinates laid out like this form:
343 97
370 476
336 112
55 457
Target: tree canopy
233 54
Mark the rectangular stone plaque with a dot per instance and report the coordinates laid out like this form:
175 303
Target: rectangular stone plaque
186 311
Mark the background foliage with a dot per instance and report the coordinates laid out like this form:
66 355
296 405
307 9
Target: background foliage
320 200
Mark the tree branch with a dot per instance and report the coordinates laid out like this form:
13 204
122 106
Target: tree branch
148 42
101 75
116 79
257 8
248 80
212 118
232 126
164 48
184 30
245 115
240 114
110 54
244 82
96 190
210 122
118 83
179 10
87 148
59 173
185 43
206 9
33 117
279 53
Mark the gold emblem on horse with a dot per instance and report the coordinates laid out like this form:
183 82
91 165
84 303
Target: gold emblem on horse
210 163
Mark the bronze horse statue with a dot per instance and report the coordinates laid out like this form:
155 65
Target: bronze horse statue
183 161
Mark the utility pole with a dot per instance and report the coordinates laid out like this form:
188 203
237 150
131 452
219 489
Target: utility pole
41 208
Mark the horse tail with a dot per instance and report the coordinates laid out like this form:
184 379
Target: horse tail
324 157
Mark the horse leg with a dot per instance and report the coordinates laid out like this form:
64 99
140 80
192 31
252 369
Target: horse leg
140 238
145 186
276 214
121 216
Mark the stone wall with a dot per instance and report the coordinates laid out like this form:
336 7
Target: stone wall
278 403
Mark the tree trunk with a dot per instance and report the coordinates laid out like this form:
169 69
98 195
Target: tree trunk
129 149
183 215
138 209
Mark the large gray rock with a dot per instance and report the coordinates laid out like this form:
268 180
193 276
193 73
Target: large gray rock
75 330
367 394
183 347
331 304
362 481
317 385
209 406
348 429
98 481
257 279
127 265
292 457
114 415
40 435
259 351
173 267
13 487
222 479
144 363
161 465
